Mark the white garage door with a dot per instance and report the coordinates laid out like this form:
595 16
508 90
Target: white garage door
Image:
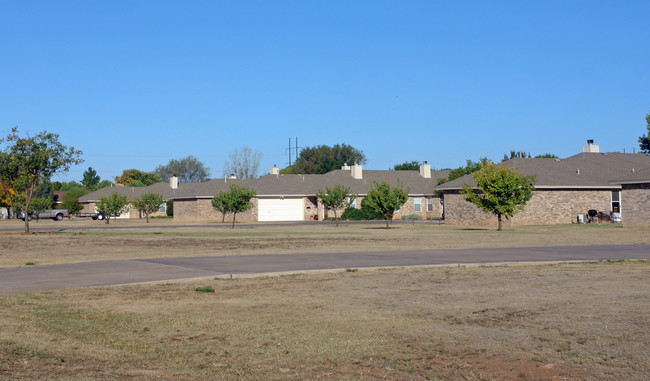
290 209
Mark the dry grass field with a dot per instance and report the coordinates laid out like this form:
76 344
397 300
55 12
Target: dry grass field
69 244
585 321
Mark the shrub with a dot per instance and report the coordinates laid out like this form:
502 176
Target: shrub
170 208
412 217
353 214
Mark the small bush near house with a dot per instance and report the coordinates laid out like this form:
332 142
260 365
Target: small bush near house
353 214
370 214
170 208
411 217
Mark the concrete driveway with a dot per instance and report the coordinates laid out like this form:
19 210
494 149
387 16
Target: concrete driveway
118 272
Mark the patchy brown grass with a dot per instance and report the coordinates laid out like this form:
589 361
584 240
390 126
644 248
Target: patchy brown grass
542 322
70 244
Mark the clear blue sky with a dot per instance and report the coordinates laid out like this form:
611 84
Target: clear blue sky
134 84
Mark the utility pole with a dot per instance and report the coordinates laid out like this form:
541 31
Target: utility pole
289 152
296 148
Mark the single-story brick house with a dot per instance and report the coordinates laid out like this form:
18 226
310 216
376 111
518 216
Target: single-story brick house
566 189
293 197
166 190
287 197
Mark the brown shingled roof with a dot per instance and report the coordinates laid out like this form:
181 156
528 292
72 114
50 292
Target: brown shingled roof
584 170
285 185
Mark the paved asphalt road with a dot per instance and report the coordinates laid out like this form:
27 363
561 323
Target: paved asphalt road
116 272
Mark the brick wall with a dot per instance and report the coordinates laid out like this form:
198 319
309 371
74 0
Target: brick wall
406 210
202 210
635 205
556 206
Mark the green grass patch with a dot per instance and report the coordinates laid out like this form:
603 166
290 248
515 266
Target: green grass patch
204 289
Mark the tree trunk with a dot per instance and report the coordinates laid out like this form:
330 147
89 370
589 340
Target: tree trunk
499 218
233 219
223 217
336 218
28 200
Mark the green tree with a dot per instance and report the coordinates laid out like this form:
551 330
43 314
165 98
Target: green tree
71 200
40 205
644 140
70 186
170 208
45 191
516 155
408 166
147 204
500 190
385 200
244 163
188 170
26 162
137 178
111 205
237 200
322 159
220 204
104 184
91 179
336 198
470 167
546 156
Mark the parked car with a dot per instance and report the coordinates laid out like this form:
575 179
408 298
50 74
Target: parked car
55 214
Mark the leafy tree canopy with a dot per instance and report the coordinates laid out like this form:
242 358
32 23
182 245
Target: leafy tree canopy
336 198
322 159
385 200
516 155
236 200
26 162
188 170
70 186
546 156
45 191
644 140
408 166
148 203
500 190
111 205
7 195
90 178
71 199
137 178
470 167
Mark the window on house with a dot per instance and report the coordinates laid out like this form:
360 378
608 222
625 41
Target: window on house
417 204
430 204
616 201
163 207
353 204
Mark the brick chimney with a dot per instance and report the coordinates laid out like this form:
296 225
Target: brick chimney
357 171
425 170
591 147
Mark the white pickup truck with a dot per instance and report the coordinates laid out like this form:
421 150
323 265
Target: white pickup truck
55 214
